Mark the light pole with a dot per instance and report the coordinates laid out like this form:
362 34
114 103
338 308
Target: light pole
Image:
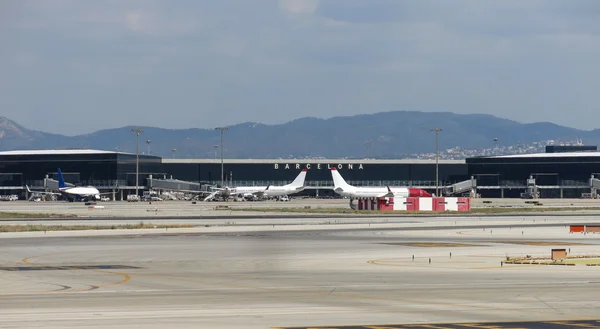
437 158
222 129
215 147
496 142
148 142
137 157
174 150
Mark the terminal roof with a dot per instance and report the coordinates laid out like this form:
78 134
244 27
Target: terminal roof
65 151
60 152
241 161
314 161
549 155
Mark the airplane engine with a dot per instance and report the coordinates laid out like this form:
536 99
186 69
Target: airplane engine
250 197
353 204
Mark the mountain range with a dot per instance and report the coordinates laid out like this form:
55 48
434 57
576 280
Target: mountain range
391 135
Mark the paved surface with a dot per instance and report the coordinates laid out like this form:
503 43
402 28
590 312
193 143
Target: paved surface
207 209
294 276
162 208
488 325
494 225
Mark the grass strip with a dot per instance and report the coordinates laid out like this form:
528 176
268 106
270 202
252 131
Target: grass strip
589 260
39 228
33 215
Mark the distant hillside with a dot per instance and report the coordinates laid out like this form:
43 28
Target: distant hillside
14 137
392 135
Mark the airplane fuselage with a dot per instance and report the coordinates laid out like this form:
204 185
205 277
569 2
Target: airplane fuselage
248 189
373 192
80 192
272 191
283 190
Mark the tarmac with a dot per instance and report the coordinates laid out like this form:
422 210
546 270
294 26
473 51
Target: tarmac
259 272
181 209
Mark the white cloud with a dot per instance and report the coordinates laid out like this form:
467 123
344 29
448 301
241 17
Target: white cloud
299 6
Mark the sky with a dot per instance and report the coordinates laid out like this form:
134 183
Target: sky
74 67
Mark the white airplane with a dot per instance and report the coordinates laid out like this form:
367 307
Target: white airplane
262 191
85 193
342 188
294 187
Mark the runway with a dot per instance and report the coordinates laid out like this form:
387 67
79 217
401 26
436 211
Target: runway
308 276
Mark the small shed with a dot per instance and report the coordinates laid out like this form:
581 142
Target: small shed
559 254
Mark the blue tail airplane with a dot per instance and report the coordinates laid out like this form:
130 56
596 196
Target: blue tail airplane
72 193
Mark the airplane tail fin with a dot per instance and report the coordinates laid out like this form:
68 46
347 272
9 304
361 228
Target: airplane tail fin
61 180
338 180
299 181
389 194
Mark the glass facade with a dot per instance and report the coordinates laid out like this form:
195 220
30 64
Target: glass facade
108 170
546 170
557 176
319 174
102 169
566 176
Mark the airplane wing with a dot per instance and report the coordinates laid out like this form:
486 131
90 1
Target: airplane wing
212 195
106 193
41 192
261 193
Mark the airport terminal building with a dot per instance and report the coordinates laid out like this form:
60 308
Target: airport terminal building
543 175
557 173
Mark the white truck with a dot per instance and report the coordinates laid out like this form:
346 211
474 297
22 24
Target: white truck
133 198
151 196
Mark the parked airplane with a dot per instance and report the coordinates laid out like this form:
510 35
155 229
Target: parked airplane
342 188
85 193
262 191
294 187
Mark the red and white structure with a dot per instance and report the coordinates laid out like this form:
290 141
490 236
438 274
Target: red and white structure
414 204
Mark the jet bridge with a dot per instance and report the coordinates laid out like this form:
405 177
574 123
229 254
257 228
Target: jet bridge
595 186
468 186
52 184
171 184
